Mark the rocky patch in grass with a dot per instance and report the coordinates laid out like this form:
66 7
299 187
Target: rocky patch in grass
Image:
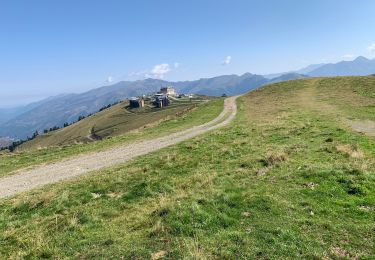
364 127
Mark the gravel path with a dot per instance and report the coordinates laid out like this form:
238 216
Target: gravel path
47 174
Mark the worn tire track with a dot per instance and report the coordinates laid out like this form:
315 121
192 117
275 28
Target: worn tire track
55 172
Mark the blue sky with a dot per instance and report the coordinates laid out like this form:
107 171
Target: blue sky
52 47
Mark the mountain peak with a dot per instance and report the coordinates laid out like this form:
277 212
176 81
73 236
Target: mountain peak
247 74
361 58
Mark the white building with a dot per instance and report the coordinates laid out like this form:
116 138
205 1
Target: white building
169 91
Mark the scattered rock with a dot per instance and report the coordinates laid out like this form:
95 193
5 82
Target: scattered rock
114 195
311 185
246 214
363 207
96 195
364 127
262 171
159 255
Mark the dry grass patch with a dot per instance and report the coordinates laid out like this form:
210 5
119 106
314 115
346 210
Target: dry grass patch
350 150
274 158
341 253
271 160
159 255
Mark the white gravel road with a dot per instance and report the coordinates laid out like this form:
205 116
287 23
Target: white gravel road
52 173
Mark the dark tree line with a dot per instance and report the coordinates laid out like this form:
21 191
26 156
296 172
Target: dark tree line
14 145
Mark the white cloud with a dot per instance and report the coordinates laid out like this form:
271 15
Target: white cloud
348 56
371 48
109 79
227 60
159 71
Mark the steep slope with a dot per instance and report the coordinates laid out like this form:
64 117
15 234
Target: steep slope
361 66
114 121
290 178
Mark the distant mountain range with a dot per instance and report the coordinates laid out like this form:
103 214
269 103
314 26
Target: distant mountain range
55 111
361 66
67 108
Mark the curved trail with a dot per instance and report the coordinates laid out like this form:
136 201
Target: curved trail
47 174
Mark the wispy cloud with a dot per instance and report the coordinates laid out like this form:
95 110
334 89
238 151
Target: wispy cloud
227 60
371 48
137 73
348 56
176 65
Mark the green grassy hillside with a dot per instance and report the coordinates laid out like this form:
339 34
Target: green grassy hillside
114 121
292 177
204 112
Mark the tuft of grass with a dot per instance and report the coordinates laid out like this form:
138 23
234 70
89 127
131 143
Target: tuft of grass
273 159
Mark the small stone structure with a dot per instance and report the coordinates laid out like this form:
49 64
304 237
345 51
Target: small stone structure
161 101
135 102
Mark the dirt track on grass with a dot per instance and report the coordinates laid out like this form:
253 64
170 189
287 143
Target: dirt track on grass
55 172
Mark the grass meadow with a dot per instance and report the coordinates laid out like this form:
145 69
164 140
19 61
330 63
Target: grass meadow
290 178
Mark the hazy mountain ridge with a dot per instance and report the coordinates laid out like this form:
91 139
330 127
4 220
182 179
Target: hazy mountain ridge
5 142
361 66
7 114
56 111
288 76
